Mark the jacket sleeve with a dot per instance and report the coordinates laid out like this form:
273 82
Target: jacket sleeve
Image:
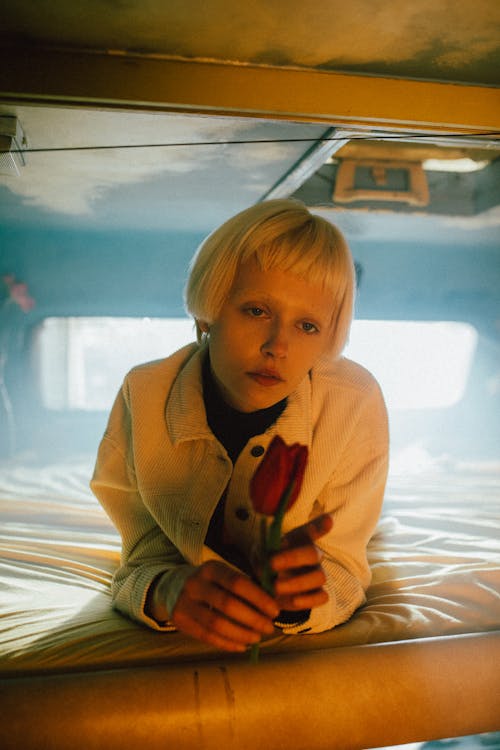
146 551
353 496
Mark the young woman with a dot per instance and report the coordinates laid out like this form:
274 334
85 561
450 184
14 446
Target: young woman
271 292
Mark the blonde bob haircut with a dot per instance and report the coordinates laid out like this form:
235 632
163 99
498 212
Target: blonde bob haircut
278 234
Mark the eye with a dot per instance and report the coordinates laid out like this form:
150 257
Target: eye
255 312
309 327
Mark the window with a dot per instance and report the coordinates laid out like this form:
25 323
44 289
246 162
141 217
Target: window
420 365
82 361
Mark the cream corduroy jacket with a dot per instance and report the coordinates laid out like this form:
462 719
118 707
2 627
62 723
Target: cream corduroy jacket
160 472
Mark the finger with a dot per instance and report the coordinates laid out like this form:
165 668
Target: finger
197 621
230 605
308 600
297 584
296 557
197 617
210 609
211 587
310 531
239 585
216 622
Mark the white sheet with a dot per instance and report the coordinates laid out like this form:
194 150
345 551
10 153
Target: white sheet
435 561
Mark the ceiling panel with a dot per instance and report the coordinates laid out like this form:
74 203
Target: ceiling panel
433 39
91 167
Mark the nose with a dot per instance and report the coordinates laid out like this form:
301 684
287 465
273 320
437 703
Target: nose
276 343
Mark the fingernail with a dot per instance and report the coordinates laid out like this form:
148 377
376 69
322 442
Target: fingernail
319 521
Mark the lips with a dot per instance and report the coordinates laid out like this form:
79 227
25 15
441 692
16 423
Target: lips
266 377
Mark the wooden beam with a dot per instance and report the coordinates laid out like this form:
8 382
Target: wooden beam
153 83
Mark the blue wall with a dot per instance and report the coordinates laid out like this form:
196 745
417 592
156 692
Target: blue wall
74 272
99 273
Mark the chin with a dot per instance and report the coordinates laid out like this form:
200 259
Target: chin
251 404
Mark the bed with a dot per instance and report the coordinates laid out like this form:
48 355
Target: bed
419 660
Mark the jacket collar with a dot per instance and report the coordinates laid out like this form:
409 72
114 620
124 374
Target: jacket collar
185 409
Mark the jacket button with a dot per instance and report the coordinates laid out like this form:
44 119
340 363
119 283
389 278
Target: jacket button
242 514
257 451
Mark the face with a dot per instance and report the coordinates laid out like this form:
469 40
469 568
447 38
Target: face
270 332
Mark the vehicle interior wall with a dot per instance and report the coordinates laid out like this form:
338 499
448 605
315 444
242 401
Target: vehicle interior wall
142 274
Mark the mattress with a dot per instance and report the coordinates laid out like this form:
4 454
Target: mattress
435 560
421 651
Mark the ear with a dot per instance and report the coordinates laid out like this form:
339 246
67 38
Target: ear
202 331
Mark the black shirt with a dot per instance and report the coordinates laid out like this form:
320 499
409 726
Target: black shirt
233 429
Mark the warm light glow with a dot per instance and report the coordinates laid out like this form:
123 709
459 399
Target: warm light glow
419 365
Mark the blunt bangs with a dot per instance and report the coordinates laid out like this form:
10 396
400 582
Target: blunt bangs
314 251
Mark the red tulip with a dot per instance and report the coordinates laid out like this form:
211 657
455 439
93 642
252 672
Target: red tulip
274 488
281 470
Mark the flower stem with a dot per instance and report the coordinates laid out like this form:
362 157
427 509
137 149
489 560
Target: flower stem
274 537
271 543
254 653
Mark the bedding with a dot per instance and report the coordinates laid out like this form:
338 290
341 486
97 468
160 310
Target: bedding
436 584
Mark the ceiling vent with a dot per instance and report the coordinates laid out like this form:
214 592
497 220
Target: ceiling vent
12 146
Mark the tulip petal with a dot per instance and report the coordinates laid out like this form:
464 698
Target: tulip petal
281 466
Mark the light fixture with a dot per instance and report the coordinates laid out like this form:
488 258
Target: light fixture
381 180
454 165
12 145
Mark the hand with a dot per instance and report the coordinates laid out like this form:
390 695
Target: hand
222 607
300 579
